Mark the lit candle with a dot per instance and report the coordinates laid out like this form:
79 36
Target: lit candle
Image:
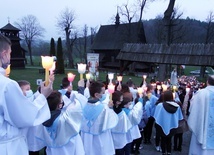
111 76
174 88
47 63
158 88
88 76
140 91
119 79
53 67
81 69
7 71
144 79
71 78
164 87
111 88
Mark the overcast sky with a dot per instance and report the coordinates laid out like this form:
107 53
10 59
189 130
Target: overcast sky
91 12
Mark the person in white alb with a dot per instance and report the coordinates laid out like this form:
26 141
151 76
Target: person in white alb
16 111
201 120
97 123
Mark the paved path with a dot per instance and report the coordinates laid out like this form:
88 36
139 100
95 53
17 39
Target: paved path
150 149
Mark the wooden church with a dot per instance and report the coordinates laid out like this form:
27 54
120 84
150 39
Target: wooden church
110 40
18 53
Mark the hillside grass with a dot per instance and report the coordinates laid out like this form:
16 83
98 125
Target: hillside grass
31 74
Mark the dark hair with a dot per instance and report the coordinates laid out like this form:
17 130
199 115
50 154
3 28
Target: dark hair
65 82
210 80
23 83
125 101
95 87
128 95
130 82
54 99
125 88
116 96
167 96
5 43
160 99
149 87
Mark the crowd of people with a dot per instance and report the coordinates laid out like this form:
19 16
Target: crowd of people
93 121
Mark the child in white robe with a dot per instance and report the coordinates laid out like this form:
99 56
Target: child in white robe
98 121
34 145
68 92
134 115
61 133
119 133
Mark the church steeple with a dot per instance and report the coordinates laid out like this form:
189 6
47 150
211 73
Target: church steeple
117 18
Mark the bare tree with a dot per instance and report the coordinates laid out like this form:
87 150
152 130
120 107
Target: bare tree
65 23
85 35
81 45
127 11
209 37
141 4
163 71
93 34
30 31
177 31
210 28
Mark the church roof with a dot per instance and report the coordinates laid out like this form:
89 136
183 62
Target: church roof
183 54
10 27
112 37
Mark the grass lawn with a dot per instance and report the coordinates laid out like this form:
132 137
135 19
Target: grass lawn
32 74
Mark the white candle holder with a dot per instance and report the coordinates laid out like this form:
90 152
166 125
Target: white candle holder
110 77
81 69
111 88
71 78
47 63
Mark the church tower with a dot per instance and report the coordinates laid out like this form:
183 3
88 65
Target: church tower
18 53
117 18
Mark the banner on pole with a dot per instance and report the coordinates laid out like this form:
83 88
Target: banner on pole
93 63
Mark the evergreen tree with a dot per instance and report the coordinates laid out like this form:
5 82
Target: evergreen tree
52 48
60 61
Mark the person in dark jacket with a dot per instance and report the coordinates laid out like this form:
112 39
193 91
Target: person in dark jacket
167 116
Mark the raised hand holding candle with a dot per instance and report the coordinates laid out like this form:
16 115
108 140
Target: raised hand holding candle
119 79
81 69
7 71
71 78
47 63
111 88
144 79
